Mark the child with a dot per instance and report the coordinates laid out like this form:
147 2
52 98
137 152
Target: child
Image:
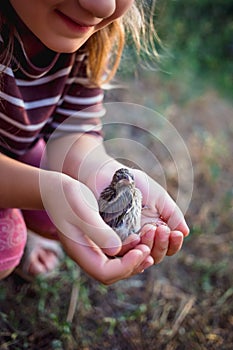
53 56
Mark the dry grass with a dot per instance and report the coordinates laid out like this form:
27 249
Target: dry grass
184 303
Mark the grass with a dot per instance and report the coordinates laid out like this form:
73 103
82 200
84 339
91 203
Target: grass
186 302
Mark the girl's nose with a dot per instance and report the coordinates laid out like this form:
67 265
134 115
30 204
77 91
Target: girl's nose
99 8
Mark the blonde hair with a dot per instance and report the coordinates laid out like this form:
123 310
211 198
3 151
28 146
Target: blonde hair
105 47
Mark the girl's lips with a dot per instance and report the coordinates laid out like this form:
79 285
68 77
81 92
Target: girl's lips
72 24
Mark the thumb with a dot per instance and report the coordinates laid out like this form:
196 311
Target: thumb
74 210
102 234
92 230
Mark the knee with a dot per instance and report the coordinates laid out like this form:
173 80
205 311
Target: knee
13 236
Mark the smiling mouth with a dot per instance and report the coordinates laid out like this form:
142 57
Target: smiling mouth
72 24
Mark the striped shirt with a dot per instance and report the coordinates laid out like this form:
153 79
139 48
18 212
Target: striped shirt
45 102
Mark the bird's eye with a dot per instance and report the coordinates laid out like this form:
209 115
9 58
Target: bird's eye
116 178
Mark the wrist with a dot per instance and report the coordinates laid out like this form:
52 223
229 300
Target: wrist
50 184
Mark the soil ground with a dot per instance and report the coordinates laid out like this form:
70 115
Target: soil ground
186 302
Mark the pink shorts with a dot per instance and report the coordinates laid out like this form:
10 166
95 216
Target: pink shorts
14 222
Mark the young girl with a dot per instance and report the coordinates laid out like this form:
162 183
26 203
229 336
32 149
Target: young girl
54 54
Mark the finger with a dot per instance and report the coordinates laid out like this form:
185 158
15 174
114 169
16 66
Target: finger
148 235
129 243
175 242
102 234
177 222
83 215
172 214
161 244
166 207
133 262
149 261
92 260
97 231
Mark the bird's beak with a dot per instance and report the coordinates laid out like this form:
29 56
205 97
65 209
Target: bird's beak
126 181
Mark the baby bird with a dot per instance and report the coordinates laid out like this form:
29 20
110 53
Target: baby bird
120 204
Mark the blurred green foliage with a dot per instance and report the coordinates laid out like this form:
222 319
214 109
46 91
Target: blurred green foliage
197 36
196 45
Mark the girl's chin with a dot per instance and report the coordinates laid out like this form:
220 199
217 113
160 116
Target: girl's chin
65 45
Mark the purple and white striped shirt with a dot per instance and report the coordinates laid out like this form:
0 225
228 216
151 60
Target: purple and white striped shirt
34 102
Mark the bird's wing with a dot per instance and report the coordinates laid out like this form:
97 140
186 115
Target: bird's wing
117 207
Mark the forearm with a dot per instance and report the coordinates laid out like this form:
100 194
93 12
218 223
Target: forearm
19 185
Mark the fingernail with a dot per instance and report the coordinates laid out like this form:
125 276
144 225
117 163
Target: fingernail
113 242
135 241
164 234
149 263
148 228
164 228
